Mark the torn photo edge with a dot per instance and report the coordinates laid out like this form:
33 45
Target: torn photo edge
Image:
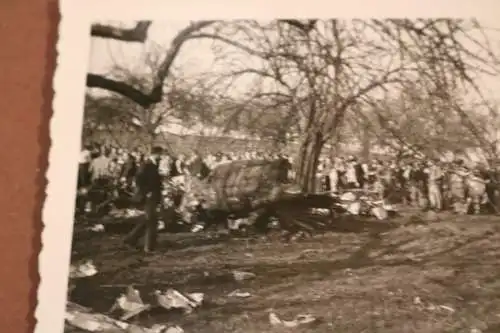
73 49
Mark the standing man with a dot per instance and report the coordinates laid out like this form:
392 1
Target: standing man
351 175
101 180
149 183
435 176
360 173
84 167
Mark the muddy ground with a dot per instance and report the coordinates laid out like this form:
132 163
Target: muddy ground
423 273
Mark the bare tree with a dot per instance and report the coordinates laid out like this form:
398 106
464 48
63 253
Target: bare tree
139 34
324 71
329 69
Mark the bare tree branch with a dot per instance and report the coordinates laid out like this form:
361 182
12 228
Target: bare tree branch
156 93
124 89
137 34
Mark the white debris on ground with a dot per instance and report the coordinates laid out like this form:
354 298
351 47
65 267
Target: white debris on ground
238 223
242 276
302 319
126 213
93 322
240 294
432 307
161 225
197 227
356 204
96 228
173 299
97 322
320 211
130 303
85 269
174 329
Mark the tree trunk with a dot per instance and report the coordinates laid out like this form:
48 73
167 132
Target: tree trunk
307 162
366 141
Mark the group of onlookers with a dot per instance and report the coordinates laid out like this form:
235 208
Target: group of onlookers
427 183
103 164
430 184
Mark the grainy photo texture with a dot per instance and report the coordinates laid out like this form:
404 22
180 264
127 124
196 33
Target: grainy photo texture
261 175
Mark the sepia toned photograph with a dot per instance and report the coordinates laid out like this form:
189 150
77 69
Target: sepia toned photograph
285 175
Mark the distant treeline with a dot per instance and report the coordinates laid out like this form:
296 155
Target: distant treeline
182 143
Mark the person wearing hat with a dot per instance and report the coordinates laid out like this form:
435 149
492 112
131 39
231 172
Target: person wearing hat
149 184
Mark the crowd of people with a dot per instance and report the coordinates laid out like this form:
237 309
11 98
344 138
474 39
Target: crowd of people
427 184
107 164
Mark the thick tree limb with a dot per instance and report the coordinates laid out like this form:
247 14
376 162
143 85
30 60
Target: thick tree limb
155 95
124 89
305 27
137 34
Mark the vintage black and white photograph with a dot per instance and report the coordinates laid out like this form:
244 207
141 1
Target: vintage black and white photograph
287 175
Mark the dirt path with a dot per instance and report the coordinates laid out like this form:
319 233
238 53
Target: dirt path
439 275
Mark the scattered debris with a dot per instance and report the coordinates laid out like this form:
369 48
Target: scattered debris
299 320
298 236
93 322
161 225
320 211
174 329
447 308
242 276
85 269
96 228
432 307
173 299
237 293
156 328
70 306
130 303
238 223
197 227
84 319
380 213
126 213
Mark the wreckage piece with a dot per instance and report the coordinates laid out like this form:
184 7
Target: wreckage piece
363 202
82 270
89 321
238 185
93 322
258 191
173 299
130 303
302 319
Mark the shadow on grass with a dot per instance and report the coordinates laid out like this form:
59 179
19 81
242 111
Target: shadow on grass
281 277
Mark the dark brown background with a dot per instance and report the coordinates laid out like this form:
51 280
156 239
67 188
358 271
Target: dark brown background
28 30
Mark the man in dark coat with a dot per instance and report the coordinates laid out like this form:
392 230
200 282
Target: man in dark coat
149 185
360 173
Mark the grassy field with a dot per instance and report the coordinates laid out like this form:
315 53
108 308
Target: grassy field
423 273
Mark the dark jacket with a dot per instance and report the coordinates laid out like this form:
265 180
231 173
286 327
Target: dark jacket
149 180
360 173
129 168
174 172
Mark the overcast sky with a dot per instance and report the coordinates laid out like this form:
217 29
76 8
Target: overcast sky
197 57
